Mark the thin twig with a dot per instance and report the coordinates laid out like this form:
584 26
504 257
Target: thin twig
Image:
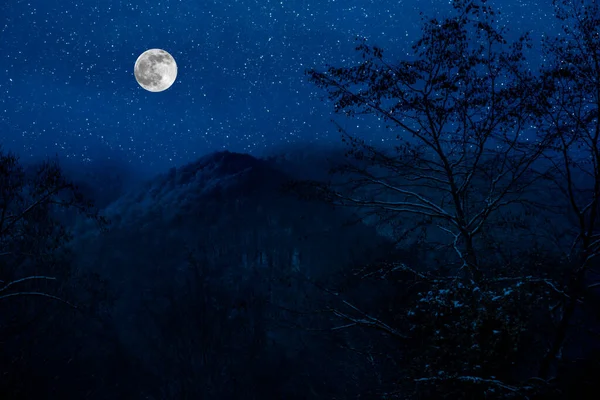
37 294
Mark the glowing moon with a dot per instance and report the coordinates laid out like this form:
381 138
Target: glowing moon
155 70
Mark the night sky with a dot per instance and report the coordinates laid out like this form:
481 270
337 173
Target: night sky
67 85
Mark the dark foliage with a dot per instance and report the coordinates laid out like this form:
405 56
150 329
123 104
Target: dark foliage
35 265
462 168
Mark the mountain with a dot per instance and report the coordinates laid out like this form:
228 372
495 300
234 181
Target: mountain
205 181
216 262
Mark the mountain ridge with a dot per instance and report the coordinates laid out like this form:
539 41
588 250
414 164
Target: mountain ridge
209 179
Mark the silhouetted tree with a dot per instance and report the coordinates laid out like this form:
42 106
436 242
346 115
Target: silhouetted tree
460 165
465 106
35 268
569 102
31 237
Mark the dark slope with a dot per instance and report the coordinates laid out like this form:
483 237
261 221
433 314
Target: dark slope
230 201
256 247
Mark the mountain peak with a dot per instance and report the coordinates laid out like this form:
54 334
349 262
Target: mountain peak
218 164
210 179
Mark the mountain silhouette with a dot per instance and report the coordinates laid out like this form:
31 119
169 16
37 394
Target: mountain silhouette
221 236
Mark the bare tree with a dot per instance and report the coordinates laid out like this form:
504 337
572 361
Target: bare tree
569 102
32 237
465 157
461 109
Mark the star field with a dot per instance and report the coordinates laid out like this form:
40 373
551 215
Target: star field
67 84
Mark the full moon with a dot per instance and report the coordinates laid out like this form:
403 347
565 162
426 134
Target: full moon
155 70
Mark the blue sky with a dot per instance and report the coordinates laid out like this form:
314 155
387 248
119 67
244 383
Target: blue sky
67 85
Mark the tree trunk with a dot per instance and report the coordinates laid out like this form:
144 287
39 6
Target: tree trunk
470 257
559 339
575 290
